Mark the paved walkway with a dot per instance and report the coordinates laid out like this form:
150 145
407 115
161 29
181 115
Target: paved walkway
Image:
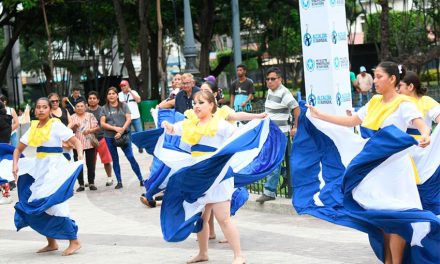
114 227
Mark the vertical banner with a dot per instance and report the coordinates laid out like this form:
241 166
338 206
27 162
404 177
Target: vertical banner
325 55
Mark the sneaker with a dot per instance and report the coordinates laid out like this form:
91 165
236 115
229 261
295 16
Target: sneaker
141 151
80 188
92 187
264 198
141 183
119 185
5 200
109 182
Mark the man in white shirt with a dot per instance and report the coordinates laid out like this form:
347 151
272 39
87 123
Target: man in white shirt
365 84
131 98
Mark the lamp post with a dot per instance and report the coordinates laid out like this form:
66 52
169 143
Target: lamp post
189 47
236 32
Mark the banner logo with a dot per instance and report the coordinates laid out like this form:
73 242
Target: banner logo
305 4
340 63
310 65
336 62
312 98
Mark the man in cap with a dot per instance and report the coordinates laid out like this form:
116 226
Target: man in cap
365 83
131 98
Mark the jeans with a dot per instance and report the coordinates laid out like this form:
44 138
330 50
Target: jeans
128 151
270 187
136 125
363 99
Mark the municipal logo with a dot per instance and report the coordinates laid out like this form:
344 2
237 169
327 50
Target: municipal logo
307 39
305 4
334 37
311 99
338 98
310 65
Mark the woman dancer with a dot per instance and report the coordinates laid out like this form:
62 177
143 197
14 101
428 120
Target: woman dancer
48 175
218 199
388 108
116 121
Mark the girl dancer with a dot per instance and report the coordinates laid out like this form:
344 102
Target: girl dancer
46 182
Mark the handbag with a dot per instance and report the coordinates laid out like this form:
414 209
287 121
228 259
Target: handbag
93 140
123 141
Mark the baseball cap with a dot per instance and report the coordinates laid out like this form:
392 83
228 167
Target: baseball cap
362 69
123 83
210 78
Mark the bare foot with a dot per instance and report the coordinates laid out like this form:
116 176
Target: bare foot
73 247
223 241
198 258
239 260
48 248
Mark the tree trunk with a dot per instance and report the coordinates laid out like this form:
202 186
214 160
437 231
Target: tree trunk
162 75
154 69
48 72
384 30
126 44
144 89
205 30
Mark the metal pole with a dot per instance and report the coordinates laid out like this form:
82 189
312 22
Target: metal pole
177 35
189 48
236 32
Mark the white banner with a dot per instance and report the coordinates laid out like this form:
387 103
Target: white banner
325 55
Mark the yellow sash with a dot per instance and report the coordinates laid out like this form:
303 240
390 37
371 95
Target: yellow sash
192 132
38 135
378 112
425 104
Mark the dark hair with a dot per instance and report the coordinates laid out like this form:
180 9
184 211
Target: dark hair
242 66
80 101
208 97
3 98
412 78
2 108
114 89
211 85
391 68
275 70
95 93
44 99
76 89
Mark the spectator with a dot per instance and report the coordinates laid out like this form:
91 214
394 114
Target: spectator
278 106
11 112
184 99
353 84
131 98
102 149
115 121
176 84
365 82
70 102
241 92
86 124
5 137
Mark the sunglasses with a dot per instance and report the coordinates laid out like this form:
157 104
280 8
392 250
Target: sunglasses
54 101
271 79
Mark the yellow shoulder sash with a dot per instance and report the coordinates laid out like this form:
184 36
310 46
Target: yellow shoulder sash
378 112
425 104
38 135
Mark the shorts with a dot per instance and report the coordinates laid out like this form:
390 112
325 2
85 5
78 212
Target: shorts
104 153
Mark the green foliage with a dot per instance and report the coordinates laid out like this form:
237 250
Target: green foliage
429 75
408 33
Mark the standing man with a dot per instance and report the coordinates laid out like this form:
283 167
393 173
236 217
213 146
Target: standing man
353 84
184 98
279 104
365 82
131 98
102 149
70 102
242 91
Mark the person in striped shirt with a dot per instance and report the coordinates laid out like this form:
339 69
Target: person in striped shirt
279 104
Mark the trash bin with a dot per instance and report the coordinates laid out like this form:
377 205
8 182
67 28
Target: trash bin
144 109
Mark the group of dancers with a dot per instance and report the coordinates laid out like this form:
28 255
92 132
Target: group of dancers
383 182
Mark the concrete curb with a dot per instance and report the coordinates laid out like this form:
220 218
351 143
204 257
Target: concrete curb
280 205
